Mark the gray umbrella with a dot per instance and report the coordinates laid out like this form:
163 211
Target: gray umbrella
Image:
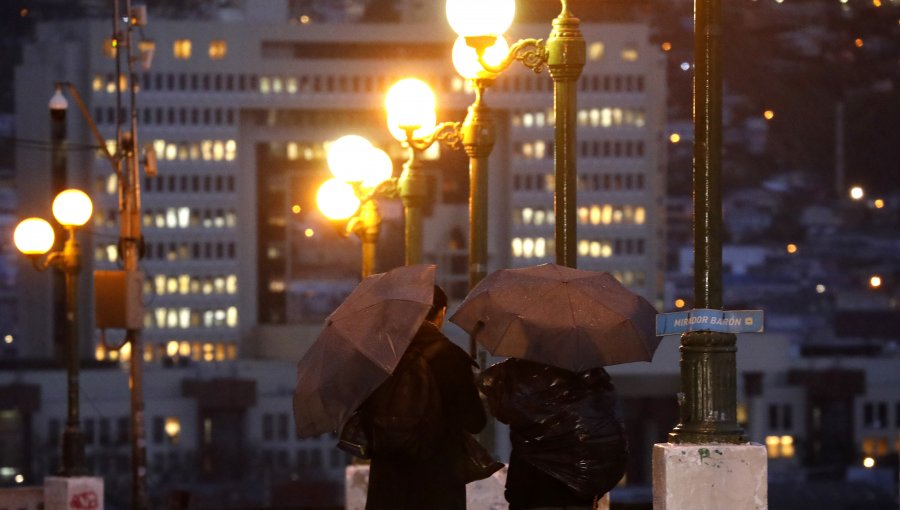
360 346
556 315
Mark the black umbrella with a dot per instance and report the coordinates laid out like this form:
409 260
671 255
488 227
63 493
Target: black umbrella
560 316
360 346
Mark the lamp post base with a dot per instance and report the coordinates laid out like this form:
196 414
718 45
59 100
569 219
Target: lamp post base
710 477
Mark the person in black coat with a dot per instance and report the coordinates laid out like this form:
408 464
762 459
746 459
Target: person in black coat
428 472
568 446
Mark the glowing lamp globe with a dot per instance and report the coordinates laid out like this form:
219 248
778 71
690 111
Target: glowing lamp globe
480 17
379 168
336 199
465 58
33 236
346 157
72 208
410 104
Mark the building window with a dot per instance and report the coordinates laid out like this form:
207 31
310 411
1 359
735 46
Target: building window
780 447
109 48
595 51
629 53
181 49
217 49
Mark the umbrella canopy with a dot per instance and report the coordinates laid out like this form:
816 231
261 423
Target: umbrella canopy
360 346
560 316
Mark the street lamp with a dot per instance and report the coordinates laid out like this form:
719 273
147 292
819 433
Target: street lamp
480 23
362 173
34 237
411 119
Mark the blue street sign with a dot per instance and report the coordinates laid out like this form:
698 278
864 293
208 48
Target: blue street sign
704 319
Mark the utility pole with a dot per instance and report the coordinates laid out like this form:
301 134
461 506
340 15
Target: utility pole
123 288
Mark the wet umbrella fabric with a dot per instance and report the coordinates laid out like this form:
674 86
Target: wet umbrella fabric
360 346
560 316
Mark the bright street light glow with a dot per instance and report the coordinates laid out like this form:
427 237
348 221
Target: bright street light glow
792 248
875 281
346 157
878 203
685 66
480 17
820 288
410 104
674 138
868 463
34 236
465 58
309 232
856 193
379 167
72 208
337 200
769 114
679 303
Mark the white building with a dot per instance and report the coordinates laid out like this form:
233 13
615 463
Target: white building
239 114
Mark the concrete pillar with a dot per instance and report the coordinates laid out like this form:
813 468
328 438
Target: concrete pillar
73 493
710 477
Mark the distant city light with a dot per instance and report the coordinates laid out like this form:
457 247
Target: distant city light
304 19
674 138
24 12
8 339
679 303
779 1
858 42
875 281
769 114
666 46
878 203
820 288
868 463
296 209
792 248
876 3
685 66
309 232
19 478
856 193
844 1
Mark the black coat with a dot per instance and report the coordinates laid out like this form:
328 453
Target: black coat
397 483
568 446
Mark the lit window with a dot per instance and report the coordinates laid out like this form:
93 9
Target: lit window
607 214
181 49
276 85
184 283
780 447
584 248
583 215
231 149
231 317
112 184
528 120
629 54
595 215
173 430
97 83
595 51
517 247
112 253
540 247
184 318
109 48
264 86
527 215
231 284
291 85
595 249
217 49
539 217
528 247
540 149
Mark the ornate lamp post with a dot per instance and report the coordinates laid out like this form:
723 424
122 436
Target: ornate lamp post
411 119
480 23
708 358
34 237
362 173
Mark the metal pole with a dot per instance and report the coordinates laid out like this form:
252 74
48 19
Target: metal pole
708 359
130 239
58 172
565 59
73 438
413 188
478 137
368 234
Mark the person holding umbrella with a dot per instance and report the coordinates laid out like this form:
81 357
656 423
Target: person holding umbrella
420 420
559 326
382 367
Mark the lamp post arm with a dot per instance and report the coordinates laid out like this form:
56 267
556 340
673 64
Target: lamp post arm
447 133
113 159
531 52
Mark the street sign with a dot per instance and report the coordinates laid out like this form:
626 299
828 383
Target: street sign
705 319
